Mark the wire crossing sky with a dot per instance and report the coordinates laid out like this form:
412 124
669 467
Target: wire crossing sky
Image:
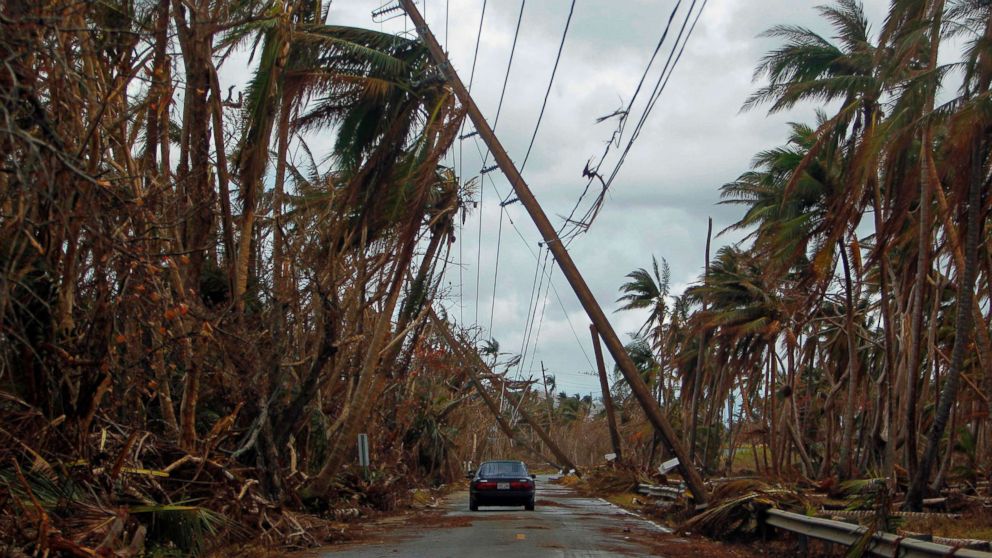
691 140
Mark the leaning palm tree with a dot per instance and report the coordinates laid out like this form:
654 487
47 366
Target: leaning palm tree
859 71
972 154
789 229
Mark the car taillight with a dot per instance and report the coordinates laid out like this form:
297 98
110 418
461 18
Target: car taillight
484 485
520 485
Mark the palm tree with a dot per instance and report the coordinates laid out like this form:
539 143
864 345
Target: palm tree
746 313
650 290
858 72
972 155
789 229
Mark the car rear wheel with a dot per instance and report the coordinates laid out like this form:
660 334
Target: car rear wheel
473 505
529 506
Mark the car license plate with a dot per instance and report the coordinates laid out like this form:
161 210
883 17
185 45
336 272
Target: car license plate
502 486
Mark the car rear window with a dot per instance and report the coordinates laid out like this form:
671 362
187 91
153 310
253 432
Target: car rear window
502 468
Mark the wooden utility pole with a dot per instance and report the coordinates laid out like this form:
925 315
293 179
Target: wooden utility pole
547 395
607 398
472 361
461 352
541 432
700 355
555 246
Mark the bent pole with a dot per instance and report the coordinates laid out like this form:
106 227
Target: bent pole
564 260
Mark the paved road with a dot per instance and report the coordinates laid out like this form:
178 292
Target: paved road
563 525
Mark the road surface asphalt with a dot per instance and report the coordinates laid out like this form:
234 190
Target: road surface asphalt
564 524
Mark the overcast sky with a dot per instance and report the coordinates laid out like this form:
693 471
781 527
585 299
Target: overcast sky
694 141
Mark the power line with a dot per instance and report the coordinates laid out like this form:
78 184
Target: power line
532 310
547 93
482 183
542 266
536 257
623 116
662 82
583 224
660 85
478 38
506 76
499 241
543 302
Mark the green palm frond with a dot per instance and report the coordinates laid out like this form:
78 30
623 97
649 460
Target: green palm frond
191 528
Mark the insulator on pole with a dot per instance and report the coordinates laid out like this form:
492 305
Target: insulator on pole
385 10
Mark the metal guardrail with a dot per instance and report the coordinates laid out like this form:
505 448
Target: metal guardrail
883 544
670 493
863 514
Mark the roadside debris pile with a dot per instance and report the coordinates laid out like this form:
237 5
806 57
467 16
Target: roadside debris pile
136 488
610 479
735 508
137 494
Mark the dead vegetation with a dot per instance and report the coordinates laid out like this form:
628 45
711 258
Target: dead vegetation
200 308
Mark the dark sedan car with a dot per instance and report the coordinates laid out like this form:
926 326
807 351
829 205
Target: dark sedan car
501 483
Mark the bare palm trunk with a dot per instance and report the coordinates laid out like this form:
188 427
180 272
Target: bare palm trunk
962 331
923 255
847 438
916 320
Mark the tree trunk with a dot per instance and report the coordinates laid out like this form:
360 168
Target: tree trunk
962 329
847 438
916 320
195 31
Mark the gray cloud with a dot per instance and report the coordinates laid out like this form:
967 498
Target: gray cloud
695 140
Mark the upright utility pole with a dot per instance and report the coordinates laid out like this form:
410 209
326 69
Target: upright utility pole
607 398
554 244
700 355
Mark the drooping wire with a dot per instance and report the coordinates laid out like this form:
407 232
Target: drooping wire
506 75
530 301
623 114
542 266
482 183
578 226
536 257
499 241
478 38
660 85
540 323
547 92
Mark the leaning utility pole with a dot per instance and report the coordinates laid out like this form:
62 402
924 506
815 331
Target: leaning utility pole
473 361
486 398
607 398
555 246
